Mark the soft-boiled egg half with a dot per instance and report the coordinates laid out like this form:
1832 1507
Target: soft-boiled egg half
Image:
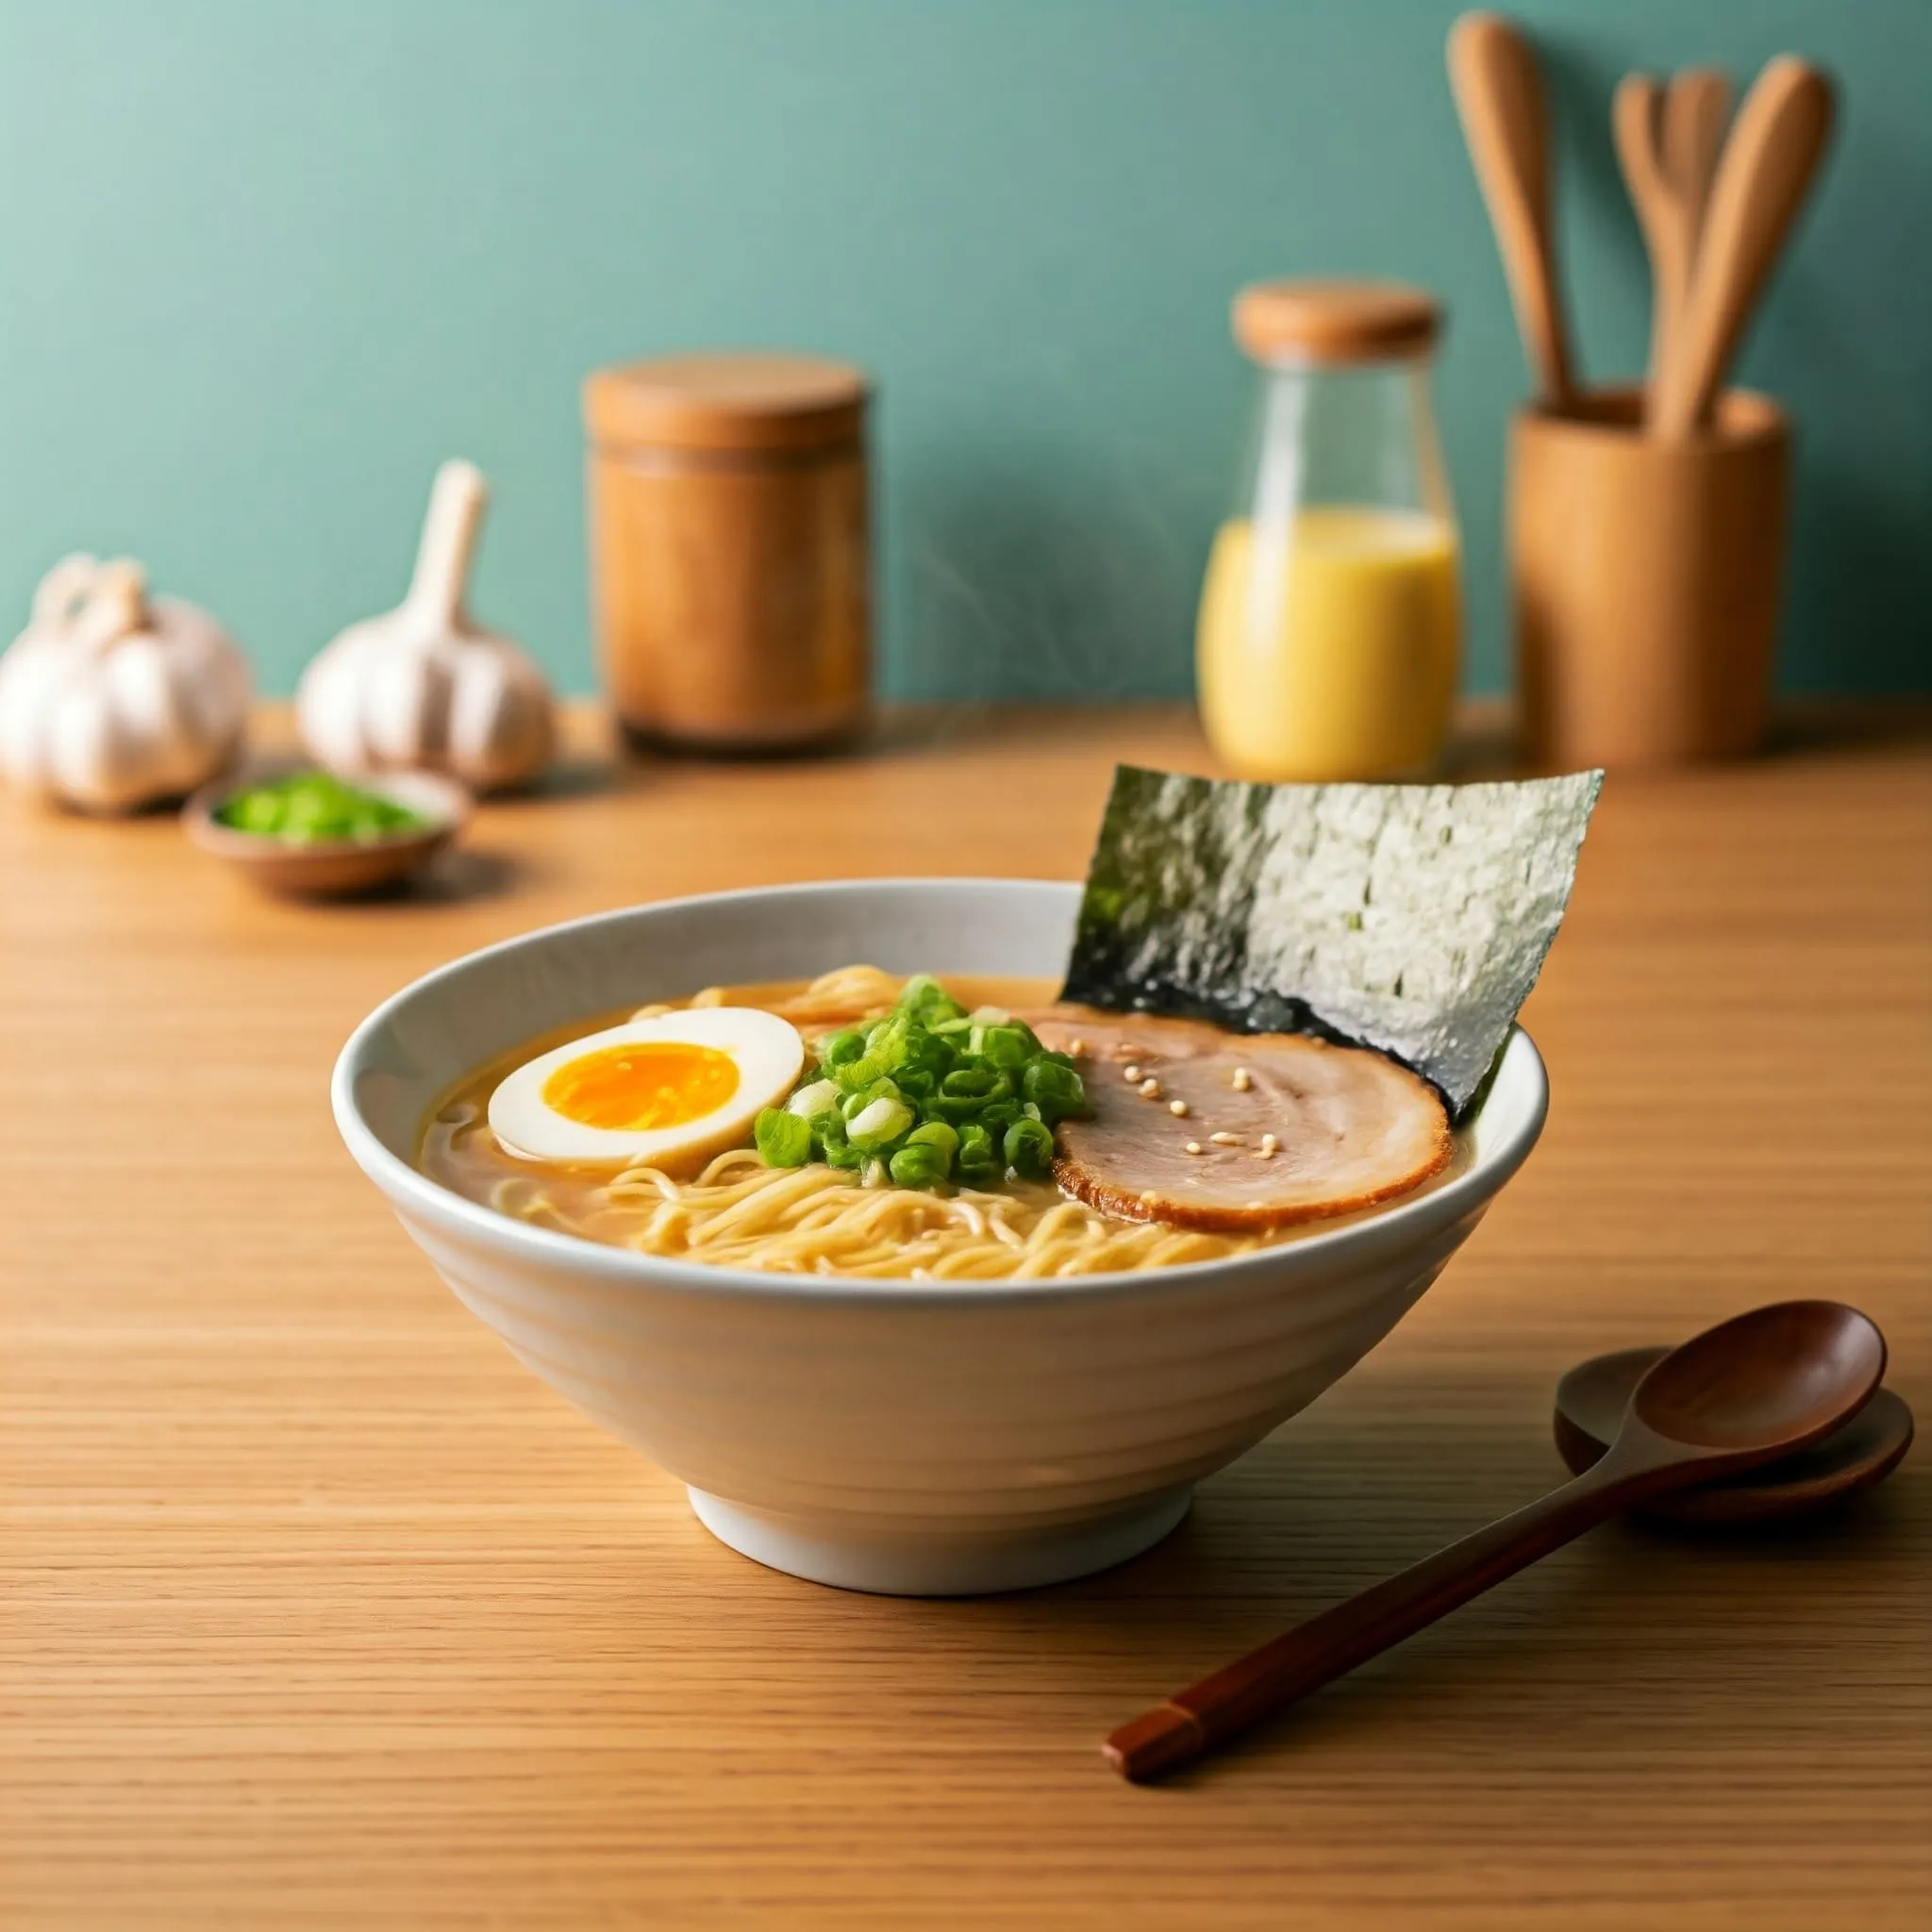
676 1088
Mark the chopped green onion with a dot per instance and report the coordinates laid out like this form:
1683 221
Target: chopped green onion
978 1160
886 1042
852 1105
858 1075
835 1049
880 1122
819 1096
926 1092
957 1107
929 1002
1007 1047
974 1083
935 1134
783 1140
1055 1090
829 1141
917 1165
316 808
1028 1148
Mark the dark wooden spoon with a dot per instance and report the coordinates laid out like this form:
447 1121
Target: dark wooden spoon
1753 1389
1591 1401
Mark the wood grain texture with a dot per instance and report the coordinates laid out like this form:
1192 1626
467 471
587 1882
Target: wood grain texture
317 1610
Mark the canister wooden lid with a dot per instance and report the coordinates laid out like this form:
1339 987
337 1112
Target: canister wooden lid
726 402
1335 322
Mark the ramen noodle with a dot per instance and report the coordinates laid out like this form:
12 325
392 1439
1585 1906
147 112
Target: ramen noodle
729 1210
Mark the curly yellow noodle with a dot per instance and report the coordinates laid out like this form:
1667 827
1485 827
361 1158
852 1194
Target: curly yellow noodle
738 1213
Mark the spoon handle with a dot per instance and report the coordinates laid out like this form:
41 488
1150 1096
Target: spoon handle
1208 1714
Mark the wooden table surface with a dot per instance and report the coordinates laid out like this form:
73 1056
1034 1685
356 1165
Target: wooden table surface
316 1609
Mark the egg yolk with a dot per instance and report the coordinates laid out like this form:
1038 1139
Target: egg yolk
651 1084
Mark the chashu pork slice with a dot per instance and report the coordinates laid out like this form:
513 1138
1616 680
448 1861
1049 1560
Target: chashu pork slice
1350 1127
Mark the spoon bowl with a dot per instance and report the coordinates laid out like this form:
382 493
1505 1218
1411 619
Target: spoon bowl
1593 1396
1764 1383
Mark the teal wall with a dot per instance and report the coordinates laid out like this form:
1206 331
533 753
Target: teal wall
265 263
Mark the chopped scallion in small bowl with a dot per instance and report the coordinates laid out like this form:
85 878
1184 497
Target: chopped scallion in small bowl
316 808
310 833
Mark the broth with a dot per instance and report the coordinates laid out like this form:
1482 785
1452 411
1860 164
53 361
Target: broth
736 1212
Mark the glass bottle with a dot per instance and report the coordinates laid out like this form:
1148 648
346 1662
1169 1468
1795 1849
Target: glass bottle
1331 628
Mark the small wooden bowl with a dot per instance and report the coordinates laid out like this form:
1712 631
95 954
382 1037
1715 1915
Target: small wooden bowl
344 866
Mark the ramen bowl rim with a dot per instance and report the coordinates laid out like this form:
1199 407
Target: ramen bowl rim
1379 1232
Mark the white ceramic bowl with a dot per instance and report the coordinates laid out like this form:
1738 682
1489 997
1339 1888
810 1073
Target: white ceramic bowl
929 1439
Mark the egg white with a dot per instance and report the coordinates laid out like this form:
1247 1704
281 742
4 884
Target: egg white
767 1051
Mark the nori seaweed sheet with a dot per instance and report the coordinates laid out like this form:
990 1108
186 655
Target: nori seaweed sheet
1410 918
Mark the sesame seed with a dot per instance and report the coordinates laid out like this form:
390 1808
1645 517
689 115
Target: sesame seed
1148 1197
1178 1108
1243 1081
1150 1088
1131 1074
1196 1147
1226 1139
1252 1204
1077 1049
1269 1144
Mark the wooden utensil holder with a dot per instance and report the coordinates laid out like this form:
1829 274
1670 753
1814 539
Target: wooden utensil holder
1646 577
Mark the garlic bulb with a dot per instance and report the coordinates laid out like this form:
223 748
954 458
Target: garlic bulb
421 686
110 699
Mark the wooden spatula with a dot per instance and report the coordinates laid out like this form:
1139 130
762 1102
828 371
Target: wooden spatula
1499 94
1637 124
1668 139
1697 104
1762 177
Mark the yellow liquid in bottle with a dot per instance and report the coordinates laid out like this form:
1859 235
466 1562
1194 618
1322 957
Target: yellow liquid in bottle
1328 646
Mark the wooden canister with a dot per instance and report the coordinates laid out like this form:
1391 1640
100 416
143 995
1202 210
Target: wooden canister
730 554
1646 578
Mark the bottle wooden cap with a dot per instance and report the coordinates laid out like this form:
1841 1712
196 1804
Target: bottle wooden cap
1335 322
726 402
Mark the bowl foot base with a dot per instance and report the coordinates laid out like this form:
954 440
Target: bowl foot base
939 1566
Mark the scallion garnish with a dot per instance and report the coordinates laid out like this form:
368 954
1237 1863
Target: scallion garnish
930 1094
316 808
783 1140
